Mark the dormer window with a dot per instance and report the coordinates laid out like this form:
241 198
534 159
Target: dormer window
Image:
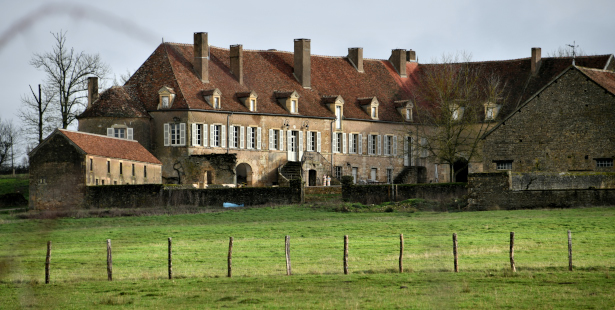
370 105
248 99
491 111
288 100
404 107
335 105
212 97
166 96
456 112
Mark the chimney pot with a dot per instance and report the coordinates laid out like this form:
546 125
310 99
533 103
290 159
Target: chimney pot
237 62
201 56
303 63
92 90
355 56
398 59
536 60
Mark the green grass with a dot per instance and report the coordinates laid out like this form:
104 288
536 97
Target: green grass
200 245
8 184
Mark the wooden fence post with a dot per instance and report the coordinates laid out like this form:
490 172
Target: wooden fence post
512 252
345 254
230 255
455 251
287 248
109 261
401 253
569 250
170 259
47 262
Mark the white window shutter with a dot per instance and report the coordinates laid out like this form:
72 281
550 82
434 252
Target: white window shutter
406 155
182 134
318 142
231 132
110 131
271 139
289 140
351 148
281 142
258 138
242 137
379 143
344 143
212 138
360 143
309 142
334 144
193 134
129 134
414 150
223 136
166 134
369 145
204 135
394 145
386 145
300 141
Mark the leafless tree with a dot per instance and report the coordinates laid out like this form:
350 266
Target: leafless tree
122 79
567 51
9 138
452 98
67 72
35 113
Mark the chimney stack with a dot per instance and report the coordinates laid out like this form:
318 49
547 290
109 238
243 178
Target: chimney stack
411 56
536 60
398 59
92 90
201 56
237 62
303 62
355 56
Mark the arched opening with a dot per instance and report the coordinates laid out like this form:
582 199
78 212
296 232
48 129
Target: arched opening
461 170
244 174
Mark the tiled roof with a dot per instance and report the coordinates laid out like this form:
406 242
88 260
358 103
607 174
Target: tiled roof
93 144
604 78
117 101
270 73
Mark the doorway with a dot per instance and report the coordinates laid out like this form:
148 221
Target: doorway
312 177
244 174
461 170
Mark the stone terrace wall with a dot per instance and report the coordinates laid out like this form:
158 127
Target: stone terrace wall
563 180
136 196
493 191
376 194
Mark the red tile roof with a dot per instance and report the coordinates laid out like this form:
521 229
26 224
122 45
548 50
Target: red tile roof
93 144
117 101
604 78
268 72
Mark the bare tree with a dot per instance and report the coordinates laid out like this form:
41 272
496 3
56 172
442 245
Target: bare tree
38 120
123 78
453 101
8 140
67 72
567 51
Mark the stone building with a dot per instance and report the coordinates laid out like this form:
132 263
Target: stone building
290 113
66 162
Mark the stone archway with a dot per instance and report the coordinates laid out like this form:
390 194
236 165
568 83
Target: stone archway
244 174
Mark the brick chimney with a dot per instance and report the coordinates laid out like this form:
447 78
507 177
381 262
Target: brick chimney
536 60
355 56
92 90
411 56
303 63
398 59
201 56
237 62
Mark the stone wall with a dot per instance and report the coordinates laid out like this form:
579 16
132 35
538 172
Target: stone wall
136 196
376 194
562 180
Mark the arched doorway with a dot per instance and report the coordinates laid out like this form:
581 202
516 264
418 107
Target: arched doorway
461 170
244 174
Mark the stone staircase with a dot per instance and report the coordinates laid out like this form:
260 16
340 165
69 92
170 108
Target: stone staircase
291 170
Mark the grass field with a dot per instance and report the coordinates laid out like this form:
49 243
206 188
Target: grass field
200 245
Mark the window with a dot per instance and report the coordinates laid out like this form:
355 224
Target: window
503 165
216 135
424 148
165 101
604 162
390 176
133 170
293 106
103 181
120 132
489 114
373 145
374 174
276 139
252 137
96 181
216 102
199 135
252 105
108 166
408 114
91 164
374 112
338 117
145 172
121 172
339 143
390 145
233 139
175 134
338 172
355 143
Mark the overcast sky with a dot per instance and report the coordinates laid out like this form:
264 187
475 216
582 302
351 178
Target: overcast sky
125 33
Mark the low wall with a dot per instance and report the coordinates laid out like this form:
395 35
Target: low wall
563 180
135 196
376 194
337 189
492 191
